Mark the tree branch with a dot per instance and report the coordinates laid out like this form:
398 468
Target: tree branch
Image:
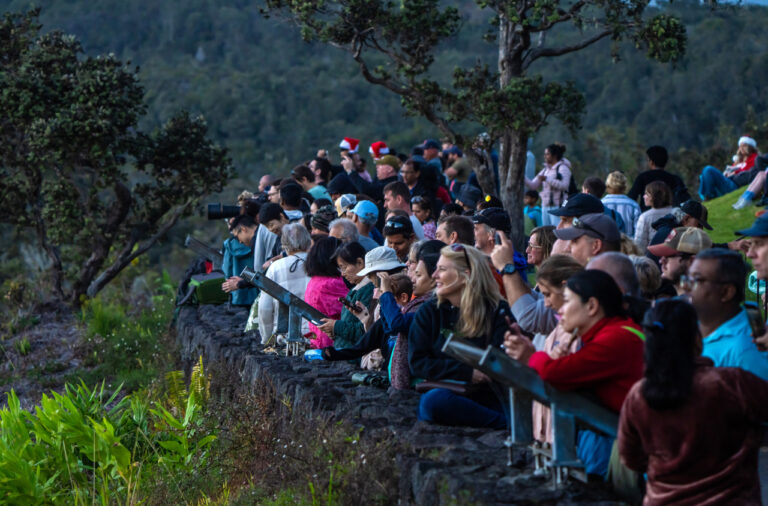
537 53
129 254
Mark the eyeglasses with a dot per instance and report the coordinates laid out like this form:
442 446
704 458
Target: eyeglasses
578 223
688 283
394 224
460 247
534 246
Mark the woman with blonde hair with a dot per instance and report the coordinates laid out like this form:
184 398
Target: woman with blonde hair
467 304
616 200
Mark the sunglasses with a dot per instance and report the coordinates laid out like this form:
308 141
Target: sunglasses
585 226
394 224
456 247
416 199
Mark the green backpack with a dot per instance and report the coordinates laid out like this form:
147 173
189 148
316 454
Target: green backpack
206 289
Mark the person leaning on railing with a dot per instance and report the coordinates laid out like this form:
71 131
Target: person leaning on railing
468 304
608 363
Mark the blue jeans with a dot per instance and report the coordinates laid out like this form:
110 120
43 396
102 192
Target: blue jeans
594 450
447 408
712 183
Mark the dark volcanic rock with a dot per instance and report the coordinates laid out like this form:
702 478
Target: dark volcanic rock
443 465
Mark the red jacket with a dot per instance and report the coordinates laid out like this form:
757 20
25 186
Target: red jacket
608 363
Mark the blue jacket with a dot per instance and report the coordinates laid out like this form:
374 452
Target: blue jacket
236 257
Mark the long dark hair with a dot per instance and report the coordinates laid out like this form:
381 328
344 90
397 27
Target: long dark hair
671 336
321 260
601 286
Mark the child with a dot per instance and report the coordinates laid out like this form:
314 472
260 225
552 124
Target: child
531 211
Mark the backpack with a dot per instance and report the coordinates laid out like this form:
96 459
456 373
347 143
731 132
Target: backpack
205 289
572 188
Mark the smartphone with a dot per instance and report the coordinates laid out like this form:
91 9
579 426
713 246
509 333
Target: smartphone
352 307
497 238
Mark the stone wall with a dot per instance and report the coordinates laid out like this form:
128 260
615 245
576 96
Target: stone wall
443 463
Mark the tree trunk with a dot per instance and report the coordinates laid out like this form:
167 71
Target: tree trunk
483 167
512 188
512 156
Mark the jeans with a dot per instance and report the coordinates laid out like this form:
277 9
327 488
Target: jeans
447 408
712 183
594 450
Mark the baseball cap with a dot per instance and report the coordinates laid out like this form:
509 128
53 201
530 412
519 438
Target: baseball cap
597 225
758 229
469 195
378 259
454 150
391 160
366 211
696 210
688 240
494 217
431 144
579 205
345 202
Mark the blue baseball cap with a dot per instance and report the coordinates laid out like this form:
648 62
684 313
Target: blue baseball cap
366 211
758 229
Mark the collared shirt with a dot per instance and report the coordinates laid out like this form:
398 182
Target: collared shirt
731 345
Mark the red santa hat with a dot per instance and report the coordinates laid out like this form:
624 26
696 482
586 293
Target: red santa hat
378 149
349 144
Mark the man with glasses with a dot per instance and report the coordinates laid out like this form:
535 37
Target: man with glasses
590 235
398 232
677 252
715 284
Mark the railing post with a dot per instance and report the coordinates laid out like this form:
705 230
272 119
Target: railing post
520 416
294 332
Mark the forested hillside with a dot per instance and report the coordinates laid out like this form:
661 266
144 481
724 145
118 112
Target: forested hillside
273 99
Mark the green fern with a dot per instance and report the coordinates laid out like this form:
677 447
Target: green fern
176 396
200 383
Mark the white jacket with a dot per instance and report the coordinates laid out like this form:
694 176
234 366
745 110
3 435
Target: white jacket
289 273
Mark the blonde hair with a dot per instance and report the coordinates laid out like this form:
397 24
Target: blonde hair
616 182
481 295
628 246
244 195
648 274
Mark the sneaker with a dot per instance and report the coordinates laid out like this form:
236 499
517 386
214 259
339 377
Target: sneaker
742 203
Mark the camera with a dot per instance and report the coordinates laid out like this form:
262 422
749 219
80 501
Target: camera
217 211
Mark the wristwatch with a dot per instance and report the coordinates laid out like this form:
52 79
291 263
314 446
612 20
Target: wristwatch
508 269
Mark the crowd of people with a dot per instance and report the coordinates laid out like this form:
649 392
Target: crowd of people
620 294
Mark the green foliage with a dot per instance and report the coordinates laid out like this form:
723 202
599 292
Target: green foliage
97 191
125 338
22 346
87 446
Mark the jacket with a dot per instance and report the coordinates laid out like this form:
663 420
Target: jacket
643 231
237 256
554 189
289 273
323 294
429 329
348 329
705 451
609 362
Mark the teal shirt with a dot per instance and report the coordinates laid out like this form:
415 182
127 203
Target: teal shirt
319 192
731 345
348 330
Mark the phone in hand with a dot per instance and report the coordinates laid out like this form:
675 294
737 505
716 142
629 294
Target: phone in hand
347 304
497 238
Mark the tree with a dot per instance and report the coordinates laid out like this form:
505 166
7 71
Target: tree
74 167
394 45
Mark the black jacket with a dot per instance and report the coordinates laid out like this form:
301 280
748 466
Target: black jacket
429 330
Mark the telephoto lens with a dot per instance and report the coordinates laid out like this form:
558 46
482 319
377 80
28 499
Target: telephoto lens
218 211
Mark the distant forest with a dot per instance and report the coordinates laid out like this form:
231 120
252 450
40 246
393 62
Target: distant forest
273 100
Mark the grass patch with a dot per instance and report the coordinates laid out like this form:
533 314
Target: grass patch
725 220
